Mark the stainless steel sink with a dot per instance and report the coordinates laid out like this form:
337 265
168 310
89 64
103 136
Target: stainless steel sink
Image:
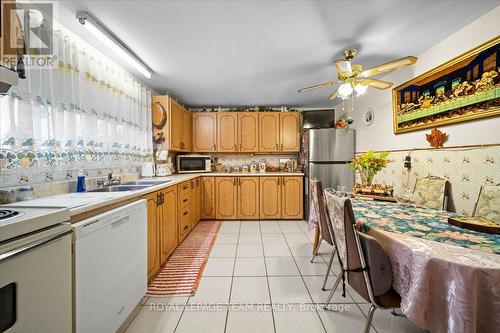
150 182
120 188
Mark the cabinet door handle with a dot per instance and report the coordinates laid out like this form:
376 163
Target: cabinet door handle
185 213
241 147
184 200
239 181
215 147
185 187
276 146
185 227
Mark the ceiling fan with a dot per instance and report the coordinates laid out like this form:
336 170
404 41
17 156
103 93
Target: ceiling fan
354 78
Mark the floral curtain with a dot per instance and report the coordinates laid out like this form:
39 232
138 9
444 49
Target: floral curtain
81 111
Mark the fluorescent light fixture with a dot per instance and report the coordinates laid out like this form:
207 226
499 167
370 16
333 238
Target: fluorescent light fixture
114 43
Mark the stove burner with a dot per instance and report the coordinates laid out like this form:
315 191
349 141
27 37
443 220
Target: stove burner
6 214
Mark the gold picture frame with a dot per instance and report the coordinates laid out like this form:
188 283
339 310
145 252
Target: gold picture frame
462 89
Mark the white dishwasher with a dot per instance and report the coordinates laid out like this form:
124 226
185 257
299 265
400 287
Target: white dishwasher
109 267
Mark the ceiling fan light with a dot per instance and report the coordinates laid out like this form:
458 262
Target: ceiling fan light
360 89
345 89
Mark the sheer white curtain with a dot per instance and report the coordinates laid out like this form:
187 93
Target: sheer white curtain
80 111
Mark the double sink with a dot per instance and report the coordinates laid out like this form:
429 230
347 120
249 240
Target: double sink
130 186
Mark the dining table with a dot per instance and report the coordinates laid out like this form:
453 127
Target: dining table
448 277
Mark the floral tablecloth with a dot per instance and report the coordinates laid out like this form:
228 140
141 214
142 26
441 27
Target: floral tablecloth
421 222
448 278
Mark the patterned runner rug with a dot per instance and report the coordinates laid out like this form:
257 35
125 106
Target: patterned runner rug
182 273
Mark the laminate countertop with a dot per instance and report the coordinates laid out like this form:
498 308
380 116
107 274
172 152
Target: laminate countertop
86 202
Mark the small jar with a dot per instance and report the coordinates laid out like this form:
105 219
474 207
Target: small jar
7 196
25 193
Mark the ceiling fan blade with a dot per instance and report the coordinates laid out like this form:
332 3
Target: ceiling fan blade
390 66
316 86
332 96
377 84
343 66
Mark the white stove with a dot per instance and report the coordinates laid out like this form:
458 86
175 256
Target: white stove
35 261
17 221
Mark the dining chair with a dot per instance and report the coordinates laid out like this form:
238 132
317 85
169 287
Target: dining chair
488 203
364 262
326 233
433 192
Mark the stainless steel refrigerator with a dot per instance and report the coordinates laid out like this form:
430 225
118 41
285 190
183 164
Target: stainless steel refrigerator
326 152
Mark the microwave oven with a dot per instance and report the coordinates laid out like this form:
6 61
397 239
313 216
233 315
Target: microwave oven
193 163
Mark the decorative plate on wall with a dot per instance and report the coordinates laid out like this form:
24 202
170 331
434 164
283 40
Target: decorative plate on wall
369 115
159 115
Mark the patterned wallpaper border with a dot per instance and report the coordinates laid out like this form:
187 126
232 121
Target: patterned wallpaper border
466 168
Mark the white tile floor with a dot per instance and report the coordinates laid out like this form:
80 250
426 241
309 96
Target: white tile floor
259 279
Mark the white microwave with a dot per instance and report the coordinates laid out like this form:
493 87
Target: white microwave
193 163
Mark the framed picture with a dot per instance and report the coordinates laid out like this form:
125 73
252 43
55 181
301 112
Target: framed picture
463 89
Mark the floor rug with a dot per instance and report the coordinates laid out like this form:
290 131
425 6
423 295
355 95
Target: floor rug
182 272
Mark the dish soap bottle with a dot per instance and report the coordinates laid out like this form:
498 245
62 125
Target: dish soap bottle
80 183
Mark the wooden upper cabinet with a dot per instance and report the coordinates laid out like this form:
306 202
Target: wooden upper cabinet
248 198
248 129
153 236
187 131
270 197
290 131
291 198
208 198
227 132
226 198
176 125
204 131
269 131
173 123
168 226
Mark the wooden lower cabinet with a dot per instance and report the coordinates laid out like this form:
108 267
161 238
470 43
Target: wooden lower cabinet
185 209
207 198
185 221
270 197
226 198
168 223
292 198
248 198
153 235
197 201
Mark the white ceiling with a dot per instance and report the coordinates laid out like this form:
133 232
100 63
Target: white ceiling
256 52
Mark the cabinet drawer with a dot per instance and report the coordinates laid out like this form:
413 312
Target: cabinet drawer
185 194
185 221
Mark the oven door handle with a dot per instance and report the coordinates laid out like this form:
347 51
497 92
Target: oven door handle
29 247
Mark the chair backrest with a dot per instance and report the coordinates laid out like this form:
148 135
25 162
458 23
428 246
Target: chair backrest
433 192
318 205
342 218
488 203
362 257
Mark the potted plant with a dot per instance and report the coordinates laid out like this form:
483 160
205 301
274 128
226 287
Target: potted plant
368 164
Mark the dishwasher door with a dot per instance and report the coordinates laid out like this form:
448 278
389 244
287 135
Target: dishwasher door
110 267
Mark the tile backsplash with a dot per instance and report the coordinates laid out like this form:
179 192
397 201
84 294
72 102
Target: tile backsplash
467 169
240 159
